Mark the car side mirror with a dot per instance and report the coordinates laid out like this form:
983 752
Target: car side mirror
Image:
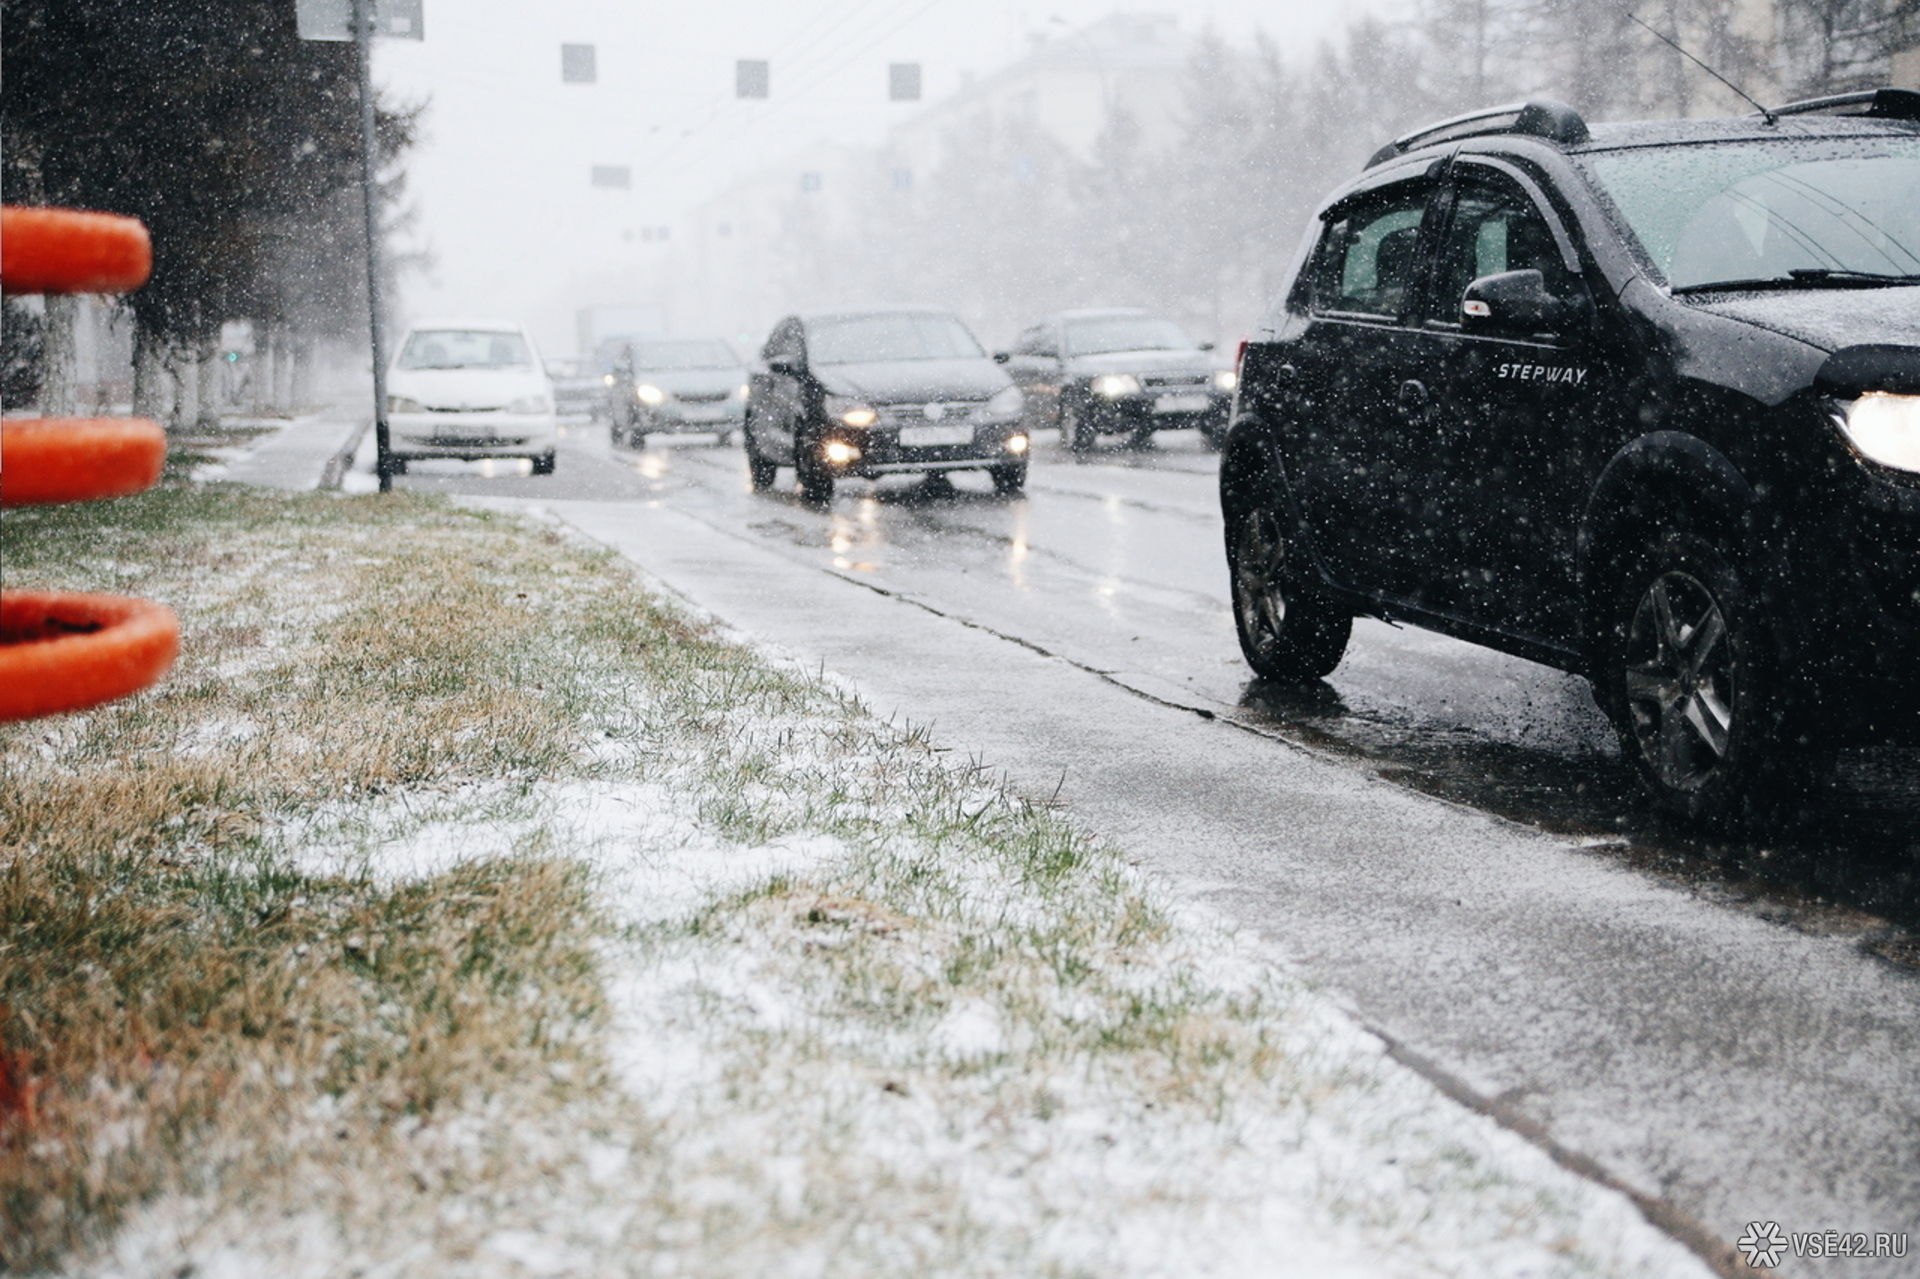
1206 346
1514 302
1001 357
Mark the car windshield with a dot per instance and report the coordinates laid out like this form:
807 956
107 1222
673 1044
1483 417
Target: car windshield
1791 211
1125 333
868 338
465 349
666 356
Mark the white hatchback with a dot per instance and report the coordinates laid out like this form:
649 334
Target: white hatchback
470 389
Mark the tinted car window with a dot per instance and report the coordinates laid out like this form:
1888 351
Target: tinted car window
683 355
861 338
1125 333
1758 210
1367 263
465 349
1495 227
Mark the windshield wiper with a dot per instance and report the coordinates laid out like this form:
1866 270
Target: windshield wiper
1806 277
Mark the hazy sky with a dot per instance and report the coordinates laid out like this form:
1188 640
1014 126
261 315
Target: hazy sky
499 182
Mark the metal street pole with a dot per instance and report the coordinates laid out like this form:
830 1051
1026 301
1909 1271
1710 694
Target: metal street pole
369 152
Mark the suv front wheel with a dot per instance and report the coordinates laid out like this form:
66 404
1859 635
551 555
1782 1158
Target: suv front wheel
1290 630
1691 677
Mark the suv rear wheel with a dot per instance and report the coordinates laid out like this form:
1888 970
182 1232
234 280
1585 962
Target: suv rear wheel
1691 678
1291 630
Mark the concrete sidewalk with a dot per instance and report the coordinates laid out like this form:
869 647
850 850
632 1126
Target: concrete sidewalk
310 452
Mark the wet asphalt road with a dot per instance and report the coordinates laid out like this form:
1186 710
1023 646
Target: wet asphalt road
1440 836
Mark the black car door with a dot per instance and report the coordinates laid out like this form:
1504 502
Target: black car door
1349 442
776 399
1520 410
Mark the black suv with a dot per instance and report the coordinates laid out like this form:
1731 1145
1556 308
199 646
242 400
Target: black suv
883 391
1119 371
1640 401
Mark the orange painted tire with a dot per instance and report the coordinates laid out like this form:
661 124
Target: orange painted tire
78 459
63 652
66 251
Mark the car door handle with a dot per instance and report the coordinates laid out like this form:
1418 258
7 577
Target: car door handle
1414 397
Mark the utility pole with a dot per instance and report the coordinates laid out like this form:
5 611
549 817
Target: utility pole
369 189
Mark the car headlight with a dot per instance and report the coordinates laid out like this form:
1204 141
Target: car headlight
531 404
744 391
1007 403
649 394
1111 386
1886 428
853 412
404 404
839 453
607 378
1225 380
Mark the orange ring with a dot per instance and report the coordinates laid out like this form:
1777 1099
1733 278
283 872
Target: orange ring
66 251
62 652
78 459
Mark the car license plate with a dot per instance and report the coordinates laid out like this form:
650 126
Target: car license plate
927 436
703 415
1182 404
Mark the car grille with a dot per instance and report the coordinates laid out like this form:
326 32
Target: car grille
701 397
1175 381
478 408
916 414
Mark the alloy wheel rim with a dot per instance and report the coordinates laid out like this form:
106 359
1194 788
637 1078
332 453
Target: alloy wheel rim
1680 681
1256 575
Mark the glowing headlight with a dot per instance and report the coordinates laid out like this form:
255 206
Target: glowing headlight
1112 386
1886 428
531 404
850 411
839 452
1226 380
1016 444
649 394
743 392
607 378
1007 403
401 404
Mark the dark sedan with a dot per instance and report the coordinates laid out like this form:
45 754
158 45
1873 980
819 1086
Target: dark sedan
881 392
670 386
1119 372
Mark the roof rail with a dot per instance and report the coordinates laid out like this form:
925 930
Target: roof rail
1545 118
1882 104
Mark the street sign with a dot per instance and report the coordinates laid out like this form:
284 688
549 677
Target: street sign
333 19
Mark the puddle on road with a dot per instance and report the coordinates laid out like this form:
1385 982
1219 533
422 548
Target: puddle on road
1848 864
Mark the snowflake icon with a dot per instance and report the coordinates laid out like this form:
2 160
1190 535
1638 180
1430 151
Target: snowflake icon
1763 1244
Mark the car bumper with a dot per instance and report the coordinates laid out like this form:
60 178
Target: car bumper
883 453
691 418
472 435
1159 412
1852 590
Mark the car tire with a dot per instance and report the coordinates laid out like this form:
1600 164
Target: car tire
636 439
1077 430
1141 439
1291 629
543 465
1009 479
816 481
1690 673
760 472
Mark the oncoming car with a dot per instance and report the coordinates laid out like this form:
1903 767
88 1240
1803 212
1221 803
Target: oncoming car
667 386
1640 401
881 392
470 389
1119 372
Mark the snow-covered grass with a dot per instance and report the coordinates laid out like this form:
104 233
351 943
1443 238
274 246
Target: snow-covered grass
458 905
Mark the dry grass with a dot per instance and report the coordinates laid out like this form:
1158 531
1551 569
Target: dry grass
166 980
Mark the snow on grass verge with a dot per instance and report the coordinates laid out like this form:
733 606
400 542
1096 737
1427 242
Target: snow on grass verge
616 947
